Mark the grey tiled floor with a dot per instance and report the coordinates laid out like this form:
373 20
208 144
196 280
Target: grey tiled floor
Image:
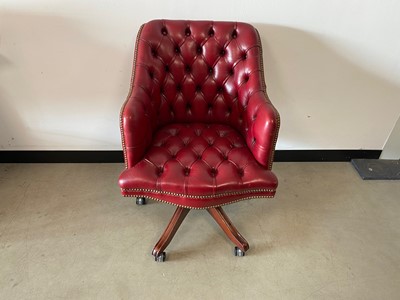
66 233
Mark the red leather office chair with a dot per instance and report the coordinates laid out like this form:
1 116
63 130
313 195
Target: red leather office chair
198 130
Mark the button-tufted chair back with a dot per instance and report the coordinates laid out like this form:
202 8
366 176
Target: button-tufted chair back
200 71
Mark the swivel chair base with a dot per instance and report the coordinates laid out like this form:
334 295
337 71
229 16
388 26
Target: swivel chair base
219 216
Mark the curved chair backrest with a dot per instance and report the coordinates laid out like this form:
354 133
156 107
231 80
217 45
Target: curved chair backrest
198 71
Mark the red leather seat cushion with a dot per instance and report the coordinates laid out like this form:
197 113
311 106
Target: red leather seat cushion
198 165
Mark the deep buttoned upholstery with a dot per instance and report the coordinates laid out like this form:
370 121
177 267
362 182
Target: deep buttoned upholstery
198 129
198 166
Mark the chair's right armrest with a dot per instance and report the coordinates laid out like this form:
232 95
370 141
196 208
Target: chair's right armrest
263 127
136 124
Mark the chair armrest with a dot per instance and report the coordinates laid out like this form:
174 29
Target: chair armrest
262 129
136 125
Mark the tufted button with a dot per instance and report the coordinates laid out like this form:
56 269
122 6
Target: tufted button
211 32
173 155
240 172
198 88
234 34
177 49
210 142
188 106
246 77
151 74
254 117
199 50
210 70
166 68
244 55
220 89
160 170
229 110
231 71
178 87
198 156
253 141
188 69
164 31
209 106
186 171
154 52
187 31
222 52
213 172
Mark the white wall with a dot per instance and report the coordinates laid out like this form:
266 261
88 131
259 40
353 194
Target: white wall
332 67
392 145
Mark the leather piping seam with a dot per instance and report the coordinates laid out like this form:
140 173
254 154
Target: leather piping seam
198 196
278 124
206 207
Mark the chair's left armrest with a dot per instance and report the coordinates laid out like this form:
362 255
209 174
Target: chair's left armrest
136 124
263 123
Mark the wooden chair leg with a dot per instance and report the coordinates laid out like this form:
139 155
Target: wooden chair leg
223 221
169 232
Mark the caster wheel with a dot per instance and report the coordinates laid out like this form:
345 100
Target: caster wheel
238 252
140 201
161 257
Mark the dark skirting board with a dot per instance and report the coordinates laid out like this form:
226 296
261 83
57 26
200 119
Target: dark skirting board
116 156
